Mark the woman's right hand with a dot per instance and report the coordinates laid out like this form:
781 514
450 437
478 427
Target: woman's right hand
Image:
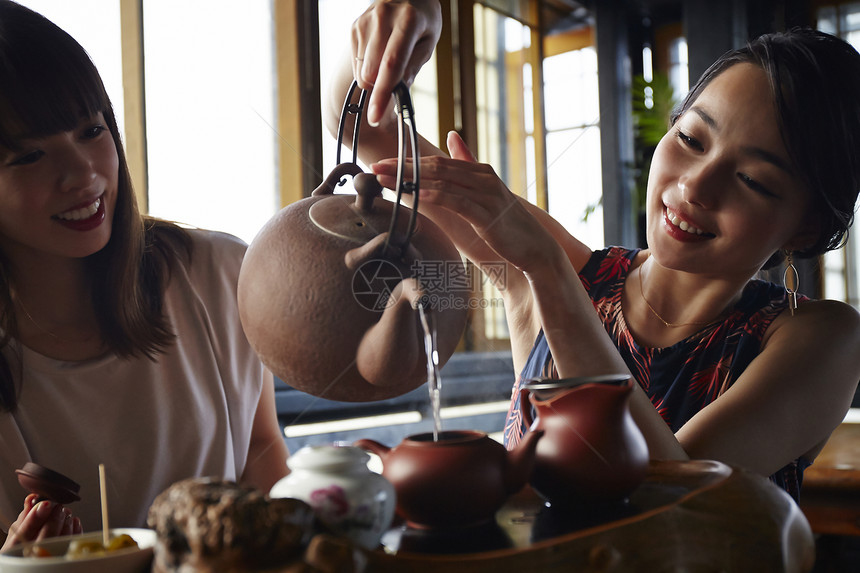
38 521
503 227
390 43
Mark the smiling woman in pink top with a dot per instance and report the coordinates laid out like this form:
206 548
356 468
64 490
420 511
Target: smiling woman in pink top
120 341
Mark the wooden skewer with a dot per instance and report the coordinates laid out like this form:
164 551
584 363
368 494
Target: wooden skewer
103 491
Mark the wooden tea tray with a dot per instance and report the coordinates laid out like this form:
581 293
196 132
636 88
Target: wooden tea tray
686 516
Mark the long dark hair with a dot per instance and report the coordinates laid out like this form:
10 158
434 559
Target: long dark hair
47 84
815 82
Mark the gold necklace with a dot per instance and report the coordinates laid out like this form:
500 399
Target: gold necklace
657 314
36 324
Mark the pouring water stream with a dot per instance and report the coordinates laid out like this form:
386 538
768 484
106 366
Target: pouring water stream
434 380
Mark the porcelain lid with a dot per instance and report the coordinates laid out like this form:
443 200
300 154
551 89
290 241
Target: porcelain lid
328 457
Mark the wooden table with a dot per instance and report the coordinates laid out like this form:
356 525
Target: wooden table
830 496
686 516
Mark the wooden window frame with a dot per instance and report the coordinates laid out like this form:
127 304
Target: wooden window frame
296 25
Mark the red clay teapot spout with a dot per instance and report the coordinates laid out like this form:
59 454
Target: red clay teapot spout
520 462
592 450
460 480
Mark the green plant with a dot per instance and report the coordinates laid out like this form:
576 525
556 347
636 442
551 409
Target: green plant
652 106
653 103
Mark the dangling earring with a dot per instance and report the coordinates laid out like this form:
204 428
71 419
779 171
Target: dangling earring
790 280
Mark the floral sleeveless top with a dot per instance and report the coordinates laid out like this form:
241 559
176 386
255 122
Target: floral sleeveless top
681 379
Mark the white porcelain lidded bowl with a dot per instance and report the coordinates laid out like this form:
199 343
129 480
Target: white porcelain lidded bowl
336 482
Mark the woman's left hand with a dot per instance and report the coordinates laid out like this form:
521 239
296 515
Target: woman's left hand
38 521
474 192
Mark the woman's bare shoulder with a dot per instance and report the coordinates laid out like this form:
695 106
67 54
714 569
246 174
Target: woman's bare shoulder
828 329
823 316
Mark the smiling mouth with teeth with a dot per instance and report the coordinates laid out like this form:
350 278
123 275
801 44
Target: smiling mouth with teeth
683 225
82 213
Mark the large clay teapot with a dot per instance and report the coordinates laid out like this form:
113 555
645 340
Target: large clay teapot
329 288
592 450
461 479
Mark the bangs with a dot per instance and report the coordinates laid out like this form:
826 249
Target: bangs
47 81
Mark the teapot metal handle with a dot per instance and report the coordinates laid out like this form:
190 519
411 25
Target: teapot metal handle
406 113
349 108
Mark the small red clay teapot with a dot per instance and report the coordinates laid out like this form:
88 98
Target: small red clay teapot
592 449
460 480
329 286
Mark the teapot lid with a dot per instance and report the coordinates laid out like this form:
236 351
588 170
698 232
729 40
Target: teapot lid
359 218
562 383
48 484
328 457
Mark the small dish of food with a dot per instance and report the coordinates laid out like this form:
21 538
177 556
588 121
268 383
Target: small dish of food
129 551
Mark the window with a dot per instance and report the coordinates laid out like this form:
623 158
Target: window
339 15
98 32
841 268
678 66
505 130
537 125
210 105
573 143
211 119
335 15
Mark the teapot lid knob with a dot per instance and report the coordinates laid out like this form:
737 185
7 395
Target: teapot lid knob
367 188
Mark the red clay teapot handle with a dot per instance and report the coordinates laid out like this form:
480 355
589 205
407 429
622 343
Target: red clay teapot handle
373 446
334 178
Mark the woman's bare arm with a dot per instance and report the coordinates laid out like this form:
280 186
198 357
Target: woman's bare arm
267 452
790 398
